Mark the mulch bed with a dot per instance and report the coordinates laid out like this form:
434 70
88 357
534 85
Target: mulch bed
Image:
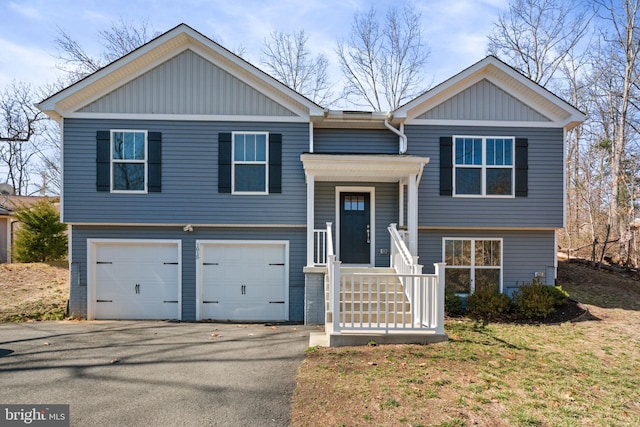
571 311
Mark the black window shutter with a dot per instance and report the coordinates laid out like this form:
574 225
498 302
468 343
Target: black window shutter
224 162
154 163
522 167
275 163
103 160
446 166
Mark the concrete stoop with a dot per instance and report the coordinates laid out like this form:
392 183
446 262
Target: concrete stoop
323 339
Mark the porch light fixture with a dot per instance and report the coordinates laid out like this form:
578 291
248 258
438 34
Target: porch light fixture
187 228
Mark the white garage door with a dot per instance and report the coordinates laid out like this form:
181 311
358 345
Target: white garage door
135 280
243 281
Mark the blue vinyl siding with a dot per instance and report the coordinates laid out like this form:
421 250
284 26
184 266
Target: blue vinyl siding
524 252
386 211
189 177
297 259
542 208
369 141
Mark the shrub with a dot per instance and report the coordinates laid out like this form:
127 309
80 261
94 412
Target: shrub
452 304
536 301
41 237
488 304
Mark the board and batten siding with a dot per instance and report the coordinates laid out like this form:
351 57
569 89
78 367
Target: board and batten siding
543 206
297 259
350 141
189 177
484 101
187 84
386 212
524 253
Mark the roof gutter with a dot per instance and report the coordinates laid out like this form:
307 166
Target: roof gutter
403 137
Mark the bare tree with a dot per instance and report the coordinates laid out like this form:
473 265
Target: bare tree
288 60
20 124
618 67
118 40
383 64
535 36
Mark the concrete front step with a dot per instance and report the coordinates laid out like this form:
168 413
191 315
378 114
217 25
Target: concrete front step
396 302
366 338
376 306
372 318
382 296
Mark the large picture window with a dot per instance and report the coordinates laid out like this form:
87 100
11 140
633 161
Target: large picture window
250 160
129 161
472 264
483 166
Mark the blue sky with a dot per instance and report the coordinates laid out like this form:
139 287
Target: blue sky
455 30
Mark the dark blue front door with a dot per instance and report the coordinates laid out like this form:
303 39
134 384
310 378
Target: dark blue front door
355 228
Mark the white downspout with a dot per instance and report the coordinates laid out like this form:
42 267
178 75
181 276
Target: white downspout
403 137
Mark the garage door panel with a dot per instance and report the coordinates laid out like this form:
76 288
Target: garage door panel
137 280
243 281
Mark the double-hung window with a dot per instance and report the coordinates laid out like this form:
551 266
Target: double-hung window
250 174
483 166
129 161
472 264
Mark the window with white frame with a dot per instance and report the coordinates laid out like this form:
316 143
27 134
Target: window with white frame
128 161
250 159
472 264
483 166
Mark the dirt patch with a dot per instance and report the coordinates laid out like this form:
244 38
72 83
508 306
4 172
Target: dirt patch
33 291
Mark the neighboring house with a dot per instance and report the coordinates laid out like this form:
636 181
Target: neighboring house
5 233
8 224
198 187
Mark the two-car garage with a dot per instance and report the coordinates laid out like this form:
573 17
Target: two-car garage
235 280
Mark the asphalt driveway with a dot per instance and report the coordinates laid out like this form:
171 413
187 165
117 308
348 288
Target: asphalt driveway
120 373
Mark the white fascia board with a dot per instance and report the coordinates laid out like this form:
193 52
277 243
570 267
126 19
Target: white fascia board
51 103
167 46
279 89
483 70
189 117
492 123
336 167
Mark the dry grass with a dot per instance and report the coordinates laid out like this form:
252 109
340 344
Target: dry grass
572 374
33 291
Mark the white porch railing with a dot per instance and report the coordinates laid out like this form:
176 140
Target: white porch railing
379 303
401 259
385 302
320 245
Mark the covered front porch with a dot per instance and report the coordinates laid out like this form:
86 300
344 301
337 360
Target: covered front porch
363 279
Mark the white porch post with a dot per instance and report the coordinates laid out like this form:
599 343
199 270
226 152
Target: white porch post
310 217
401 203
412 214
438 296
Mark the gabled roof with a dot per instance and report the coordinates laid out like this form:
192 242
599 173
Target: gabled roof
538 103
71 100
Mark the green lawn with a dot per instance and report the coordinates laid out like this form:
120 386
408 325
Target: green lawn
573 374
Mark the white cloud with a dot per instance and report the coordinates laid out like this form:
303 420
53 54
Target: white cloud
30 12
30 65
